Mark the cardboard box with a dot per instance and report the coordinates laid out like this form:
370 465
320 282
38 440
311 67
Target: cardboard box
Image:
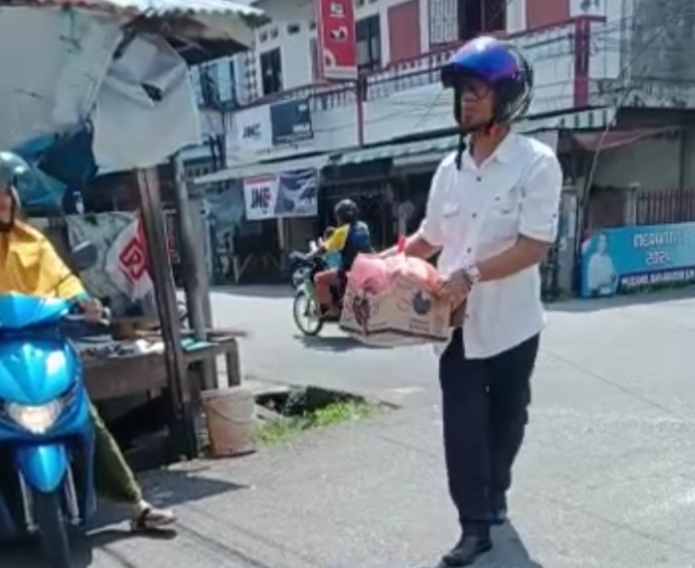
404 315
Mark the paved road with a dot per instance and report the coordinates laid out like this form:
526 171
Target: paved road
606 477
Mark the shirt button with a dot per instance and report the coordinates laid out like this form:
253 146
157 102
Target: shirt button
479 178
469 250
474 215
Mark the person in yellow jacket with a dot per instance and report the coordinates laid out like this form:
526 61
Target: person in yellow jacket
30 265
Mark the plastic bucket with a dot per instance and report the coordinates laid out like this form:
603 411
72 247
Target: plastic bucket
230 415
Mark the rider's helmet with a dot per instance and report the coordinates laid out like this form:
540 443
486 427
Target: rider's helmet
346 211
502 67
15 176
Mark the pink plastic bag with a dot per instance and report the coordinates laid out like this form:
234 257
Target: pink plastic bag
372 274
369 274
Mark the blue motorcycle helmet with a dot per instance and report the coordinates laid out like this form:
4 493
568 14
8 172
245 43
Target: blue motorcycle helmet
499 65
15 177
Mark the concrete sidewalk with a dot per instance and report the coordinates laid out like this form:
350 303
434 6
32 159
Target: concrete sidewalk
605 482
606 477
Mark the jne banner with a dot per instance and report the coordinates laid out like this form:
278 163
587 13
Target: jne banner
289 194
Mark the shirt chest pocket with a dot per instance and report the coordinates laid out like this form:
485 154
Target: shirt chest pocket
452 222
501 222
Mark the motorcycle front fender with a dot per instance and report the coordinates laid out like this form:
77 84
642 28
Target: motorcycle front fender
307 288
42 466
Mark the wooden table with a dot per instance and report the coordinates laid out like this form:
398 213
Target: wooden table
223 345
122 376
136 374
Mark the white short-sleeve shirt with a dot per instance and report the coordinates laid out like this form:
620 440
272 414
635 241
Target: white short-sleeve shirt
478 212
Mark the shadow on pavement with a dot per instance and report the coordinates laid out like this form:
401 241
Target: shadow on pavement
165 488
336 343
508 552
599 304
168 488
256 290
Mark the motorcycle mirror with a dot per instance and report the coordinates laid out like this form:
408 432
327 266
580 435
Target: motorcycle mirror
84 256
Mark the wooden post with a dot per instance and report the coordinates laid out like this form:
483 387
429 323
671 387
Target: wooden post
194 272
183 428
195 206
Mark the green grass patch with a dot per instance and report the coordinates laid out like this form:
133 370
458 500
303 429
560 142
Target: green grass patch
287 427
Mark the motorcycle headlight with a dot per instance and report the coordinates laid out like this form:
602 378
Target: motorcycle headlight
36 419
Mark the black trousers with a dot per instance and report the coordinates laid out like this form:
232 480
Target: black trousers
485 411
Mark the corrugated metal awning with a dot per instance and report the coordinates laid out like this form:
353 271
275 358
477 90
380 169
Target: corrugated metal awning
153 8
264 168
199 29
424 151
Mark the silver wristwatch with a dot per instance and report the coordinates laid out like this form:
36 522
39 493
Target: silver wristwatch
473 275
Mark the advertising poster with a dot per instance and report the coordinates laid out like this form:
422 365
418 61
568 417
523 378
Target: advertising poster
289 194
260 195
626 259
291 121
336 35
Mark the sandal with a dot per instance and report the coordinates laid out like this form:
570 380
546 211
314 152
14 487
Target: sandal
152 519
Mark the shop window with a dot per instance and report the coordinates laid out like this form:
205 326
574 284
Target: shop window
271 71
368 36
477 17
209 85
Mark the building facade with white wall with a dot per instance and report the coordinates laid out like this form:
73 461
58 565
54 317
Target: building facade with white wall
583 51
587 55
400 46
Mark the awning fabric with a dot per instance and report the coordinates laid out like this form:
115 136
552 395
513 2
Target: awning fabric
593 141
264 168
432 149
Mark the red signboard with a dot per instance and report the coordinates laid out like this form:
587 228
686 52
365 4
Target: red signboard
336 34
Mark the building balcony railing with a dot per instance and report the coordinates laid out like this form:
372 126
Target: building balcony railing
541 45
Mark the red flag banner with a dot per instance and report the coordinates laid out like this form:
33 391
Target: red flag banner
336 35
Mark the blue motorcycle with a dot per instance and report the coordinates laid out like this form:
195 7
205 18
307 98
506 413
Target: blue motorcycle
46 432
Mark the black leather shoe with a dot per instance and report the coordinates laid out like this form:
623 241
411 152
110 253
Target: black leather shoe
499 511
466 551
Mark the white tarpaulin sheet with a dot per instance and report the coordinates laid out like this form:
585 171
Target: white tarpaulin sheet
52 63
57 70
146 109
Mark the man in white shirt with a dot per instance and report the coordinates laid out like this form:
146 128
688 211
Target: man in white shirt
492 212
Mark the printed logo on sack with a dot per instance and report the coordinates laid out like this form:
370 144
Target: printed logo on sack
360 308
132 260
421 305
